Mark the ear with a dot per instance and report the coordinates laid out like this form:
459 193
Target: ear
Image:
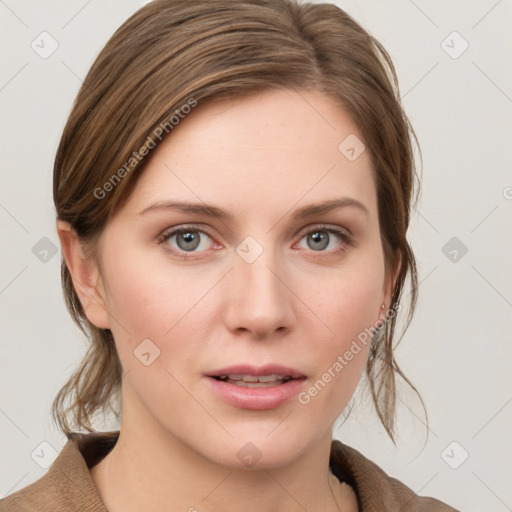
85 275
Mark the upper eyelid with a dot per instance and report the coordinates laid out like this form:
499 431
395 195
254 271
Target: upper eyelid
325 226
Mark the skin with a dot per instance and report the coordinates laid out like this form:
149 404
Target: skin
299 305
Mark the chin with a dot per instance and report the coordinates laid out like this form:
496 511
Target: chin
261 450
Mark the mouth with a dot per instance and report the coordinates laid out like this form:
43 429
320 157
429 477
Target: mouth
254 381
257 388
256 376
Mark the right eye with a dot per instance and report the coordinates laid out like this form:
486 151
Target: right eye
185 240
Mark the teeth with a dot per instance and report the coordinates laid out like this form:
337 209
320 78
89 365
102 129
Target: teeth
244 384
245 378
255 381
253 378
270 378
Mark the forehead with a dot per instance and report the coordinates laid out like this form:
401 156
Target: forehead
274 149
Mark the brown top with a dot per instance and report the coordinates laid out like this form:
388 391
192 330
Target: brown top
67 486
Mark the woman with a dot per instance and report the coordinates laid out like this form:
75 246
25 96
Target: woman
233 190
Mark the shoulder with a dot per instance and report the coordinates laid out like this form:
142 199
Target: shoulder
46 494
67 485
41 496
377 491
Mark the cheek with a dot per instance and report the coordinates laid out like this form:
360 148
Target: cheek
349 301
345 352
168 305
348 309
148 296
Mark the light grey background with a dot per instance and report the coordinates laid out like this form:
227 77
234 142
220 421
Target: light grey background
458 348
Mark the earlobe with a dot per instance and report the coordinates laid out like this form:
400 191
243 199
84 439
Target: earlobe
85 275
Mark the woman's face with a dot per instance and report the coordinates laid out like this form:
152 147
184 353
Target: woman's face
258 278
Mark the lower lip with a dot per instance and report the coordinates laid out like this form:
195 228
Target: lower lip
258 399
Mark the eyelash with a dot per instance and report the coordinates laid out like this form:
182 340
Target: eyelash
347 240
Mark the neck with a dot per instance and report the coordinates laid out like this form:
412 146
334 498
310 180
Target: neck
158 472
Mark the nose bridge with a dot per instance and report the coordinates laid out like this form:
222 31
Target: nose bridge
259 301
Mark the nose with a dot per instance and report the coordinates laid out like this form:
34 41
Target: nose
259 300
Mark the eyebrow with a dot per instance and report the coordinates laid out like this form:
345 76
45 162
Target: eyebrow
218 213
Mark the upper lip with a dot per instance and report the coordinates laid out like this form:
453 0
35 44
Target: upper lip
247 369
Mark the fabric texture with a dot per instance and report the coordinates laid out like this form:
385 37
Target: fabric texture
67 486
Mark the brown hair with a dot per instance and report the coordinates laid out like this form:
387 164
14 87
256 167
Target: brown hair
172 53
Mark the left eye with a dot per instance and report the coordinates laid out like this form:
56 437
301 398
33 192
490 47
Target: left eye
320 238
